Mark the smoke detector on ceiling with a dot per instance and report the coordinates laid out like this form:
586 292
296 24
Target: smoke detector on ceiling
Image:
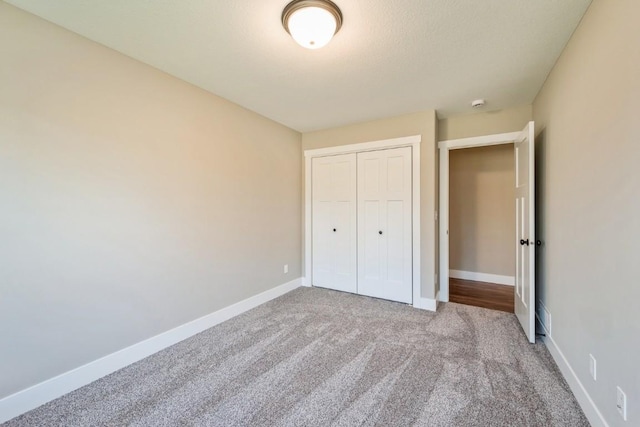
478 103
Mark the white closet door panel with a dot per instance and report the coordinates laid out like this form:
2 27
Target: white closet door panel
344 236
368 239
343 179
384 227
322 213
370 178
334 222
321 185
395 176
322 256
396 252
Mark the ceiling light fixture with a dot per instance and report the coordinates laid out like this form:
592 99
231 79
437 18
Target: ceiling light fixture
312 23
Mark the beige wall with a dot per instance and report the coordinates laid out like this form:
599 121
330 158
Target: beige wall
131 202
424 124
481 193
588 180
481 210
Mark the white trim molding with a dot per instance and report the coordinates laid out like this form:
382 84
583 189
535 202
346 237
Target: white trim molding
407 141
445 147
481 141
404 141
483 277
587 404
39 394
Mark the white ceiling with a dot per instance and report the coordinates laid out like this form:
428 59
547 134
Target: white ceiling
389 58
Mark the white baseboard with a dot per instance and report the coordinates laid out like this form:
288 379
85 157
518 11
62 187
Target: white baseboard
426 304
586 403
421 303
542 327
39 394
482 277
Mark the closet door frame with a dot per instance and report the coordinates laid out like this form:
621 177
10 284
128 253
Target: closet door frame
408 141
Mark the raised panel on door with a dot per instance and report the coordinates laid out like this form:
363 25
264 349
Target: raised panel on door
396 242
333 219
344 244
384 224
369 241
322 242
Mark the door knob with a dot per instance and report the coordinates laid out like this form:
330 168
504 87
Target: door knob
539 242
524 242
380 232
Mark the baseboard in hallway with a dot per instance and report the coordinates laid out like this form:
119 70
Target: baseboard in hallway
483 277
482 294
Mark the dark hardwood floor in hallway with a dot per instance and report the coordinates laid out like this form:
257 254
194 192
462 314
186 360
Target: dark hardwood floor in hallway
481 294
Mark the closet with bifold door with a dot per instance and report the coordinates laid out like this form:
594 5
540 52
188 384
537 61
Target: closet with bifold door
334 231
361 214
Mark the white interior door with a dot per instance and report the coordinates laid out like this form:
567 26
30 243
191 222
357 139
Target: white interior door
384 224
333 217
525 292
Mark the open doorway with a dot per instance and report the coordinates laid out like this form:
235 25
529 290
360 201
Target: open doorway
482 227
524 203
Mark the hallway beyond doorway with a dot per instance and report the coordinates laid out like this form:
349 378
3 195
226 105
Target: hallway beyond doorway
481 294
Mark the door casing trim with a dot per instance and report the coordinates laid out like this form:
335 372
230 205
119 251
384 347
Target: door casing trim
443 215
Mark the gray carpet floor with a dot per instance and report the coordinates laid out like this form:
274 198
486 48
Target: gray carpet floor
316 357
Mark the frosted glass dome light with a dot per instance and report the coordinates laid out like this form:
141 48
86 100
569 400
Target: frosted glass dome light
312 23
